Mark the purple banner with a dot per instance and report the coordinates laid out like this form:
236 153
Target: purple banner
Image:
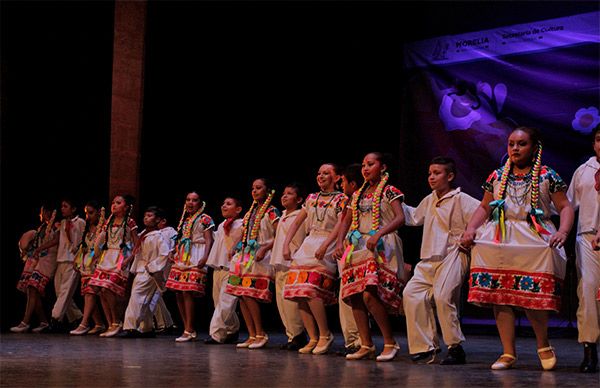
467 92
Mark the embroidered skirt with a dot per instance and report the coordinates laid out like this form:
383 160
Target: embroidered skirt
115 281
310 282
256 282
360 274
523 271
188 280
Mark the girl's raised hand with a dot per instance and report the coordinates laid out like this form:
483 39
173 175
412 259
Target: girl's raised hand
131 223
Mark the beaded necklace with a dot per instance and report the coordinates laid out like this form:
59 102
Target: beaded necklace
333 194
535 215
185 242
354 236
259 215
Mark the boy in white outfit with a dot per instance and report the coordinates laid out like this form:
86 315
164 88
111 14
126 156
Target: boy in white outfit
150 258
68 238
439 275
289 312
584 194
225 324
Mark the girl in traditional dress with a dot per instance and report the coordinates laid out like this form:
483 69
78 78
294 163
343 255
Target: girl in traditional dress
85 262
252 277
40 265
517 259
188 273
312 275
116 241
373 263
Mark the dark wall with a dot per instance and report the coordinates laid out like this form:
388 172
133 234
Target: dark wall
56 88
283 86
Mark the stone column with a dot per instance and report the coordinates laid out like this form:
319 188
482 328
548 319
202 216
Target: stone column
127 97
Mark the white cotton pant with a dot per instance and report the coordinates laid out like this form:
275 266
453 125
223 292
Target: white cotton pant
138 315
588 273
162 316
349 328
224 320
288 309
435 284
66 280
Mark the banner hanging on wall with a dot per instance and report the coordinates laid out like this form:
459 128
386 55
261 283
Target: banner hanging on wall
466 93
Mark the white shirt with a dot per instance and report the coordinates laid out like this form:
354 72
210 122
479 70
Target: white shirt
66 247
583 196
218 257
443 219
286 220
168 234
153 252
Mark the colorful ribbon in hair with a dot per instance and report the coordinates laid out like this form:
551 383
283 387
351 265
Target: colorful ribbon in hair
498 218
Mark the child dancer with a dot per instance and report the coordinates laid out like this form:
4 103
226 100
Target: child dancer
66 277
352 180
373 262
291 199
117 238
85 263
188 273
584 194
162 316
312 275
251 276
438 278
518 259
224 325
151 254
40 265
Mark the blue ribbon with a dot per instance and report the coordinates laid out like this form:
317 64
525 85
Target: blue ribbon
497 206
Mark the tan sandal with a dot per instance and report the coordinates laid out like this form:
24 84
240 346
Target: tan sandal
547 363
365 352
309 347
246 343
503 365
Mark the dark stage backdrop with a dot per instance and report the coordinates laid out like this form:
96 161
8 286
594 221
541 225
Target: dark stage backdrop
233 91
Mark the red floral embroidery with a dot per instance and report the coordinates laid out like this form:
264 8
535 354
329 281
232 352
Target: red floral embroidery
261 284
314 278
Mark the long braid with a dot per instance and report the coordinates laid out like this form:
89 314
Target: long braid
535 178
181 220
107 228
354 206
124 227
86 230
504 178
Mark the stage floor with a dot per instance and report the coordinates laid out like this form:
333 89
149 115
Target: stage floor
33 360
